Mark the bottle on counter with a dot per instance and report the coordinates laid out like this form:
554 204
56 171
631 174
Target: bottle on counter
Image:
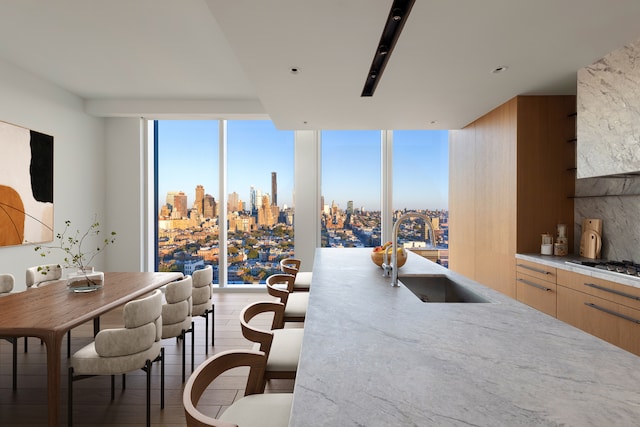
561 246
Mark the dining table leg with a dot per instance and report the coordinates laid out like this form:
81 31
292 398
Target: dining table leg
54 346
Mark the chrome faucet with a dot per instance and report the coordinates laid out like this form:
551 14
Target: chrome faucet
394 254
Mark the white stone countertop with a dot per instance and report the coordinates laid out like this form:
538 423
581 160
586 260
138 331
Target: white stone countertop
564 263
375 355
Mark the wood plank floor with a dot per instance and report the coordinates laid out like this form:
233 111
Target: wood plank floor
92 404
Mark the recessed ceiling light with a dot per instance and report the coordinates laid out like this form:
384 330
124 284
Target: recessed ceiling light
433 122
294 70
500 69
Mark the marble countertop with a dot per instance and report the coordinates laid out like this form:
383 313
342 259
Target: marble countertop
375 355
565 263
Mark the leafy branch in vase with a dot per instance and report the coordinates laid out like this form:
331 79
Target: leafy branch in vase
72 245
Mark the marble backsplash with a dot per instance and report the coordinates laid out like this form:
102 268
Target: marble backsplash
616 200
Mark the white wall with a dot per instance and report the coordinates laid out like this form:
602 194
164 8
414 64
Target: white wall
79 152
125 193
307 197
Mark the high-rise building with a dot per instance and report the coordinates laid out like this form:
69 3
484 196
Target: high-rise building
265 213
232 204
274 189
350 207
170 199
198 204
209 206
253 201
180 205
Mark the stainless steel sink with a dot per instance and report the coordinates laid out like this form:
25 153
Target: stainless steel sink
440 288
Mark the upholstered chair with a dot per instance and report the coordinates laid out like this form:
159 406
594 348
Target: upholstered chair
119 351
302 278
255 409
295 303
281 346
42 275
6 286
203 301
176 315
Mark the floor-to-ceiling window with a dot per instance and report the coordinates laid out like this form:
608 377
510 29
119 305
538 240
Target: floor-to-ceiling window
187 194
260 199
351 203
258 205
421 184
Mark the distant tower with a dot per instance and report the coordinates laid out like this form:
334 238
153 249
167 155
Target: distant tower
209 206
199 203
232 204
350 207
253 200
180 204
274 189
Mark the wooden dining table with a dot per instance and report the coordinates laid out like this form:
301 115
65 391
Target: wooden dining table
50 311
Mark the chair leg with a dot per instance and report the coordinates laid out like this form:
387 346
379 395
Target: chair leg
193 345
184 345
213 324
113 386
206 332
68 344
162 378
148 369
25 343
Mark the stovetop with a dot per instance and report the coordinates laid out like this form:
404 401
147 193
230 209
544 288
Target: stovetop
625 267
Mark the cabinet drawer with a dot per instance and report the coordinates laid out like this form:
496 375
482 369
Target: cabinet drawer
612 322
605 289
541 271
536 293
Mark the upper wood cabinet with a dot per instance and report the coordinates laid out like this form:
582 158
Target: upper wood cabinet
512 178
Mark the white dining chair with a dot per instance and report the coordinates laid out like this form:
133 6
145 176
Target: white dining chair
176 315
203 301
121 350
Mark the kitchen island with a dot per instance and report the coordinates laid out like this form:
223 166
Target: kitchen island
375 355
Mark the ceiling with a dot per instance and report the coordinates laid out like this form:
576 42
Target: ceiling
198 57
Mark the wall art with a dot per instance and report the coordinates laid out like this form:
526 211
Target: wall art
26 186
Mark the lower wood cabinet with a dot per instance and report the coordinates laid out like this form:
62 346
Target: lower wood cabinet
602 308
536 286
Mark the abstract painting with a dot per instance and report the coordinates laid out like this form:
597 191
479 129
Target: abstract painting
26 186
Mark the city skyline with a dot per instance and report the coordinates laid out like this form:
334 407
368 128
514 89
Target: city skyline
188 156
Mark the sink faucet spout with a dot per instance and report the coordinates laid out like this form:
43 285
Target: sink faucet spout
394 240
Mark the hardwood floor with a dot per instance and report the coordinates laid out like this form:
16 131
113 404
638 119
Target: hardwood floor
92 404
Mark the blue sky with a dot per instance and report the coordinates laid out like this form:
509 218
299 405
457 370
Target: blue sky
188 156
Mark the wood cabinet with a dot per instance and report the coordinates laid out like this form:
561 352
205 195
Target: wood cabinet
508 185
536 286
606 309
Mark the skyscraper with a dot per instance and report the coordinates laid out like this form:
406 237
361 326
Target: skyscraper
274 189
199 202
180 205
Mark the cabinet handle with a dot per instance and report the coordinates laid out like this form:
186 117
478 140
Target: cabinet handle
535 285
613 291
537 270
613 313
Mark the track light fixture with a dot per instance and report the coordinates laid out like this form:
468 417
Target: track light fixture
395 22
